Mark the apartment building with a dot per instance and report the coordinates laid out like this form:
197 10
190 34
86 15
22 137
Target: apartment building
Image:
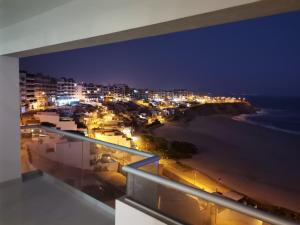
37 91
121 90
79 92
28 87
141 93
92 92
66 89
47 86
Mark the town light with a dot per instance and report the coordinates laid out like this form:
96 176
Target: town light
134 138
127 132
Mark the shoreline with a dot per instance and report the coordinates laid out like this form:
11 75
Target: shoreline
240 154
245 118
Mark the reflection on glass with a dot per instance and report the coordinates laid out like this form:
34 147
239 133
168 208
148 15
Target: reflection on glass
89 167
183 207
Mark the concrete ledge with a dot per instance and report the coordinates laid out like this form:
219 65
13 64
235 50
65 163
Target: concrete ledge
11 182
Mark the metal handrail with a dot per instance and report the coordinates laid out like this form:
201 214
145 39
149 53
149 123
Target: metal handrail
83 138
213 198
150 158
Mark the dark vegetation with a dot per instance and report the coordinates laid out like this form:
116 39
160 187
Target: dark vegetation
47 124
224 108
154 125
231 109
181 148
168 149
124 107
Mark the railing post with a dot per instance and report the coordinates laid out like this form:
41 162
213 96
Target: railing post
130 185
213 213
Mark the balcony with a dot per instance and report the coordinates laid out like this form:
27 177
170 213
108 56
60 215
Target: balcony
72 190
44 201
122 186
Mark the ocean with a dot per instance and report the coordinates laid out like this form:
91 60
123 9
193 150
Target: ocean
278 113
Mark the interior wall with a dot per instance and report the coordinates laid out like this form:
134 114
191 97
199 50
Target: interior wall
9 119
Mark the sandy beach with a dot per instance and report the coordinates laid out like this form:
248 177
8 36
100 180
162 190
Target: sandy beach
261 163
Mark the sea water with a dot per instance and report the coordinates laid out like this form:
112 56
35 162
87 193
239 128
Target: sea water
279 113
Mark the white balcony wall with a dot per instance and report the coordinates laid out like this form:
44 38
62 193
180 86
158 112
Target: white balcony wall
9 119
128 215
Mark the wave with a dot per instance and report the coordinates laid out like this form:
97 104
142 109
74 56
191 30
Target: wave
246 118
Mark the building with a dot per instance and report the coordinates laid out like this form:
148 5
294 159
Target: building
24 101
37 91
88 92
113 136
176 94
66 89
46 88
79 93
54 118
120 90
140 94
28 90
182 93
92 92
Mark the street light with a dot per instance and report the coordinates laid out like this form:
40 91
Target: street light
134 138
127 132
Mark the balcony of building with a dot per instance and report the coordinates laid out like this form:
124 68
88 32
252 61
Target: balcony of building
44 200
67 181
61 186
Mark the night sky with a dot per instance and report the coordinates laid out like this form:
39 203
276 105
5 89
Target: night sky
260 56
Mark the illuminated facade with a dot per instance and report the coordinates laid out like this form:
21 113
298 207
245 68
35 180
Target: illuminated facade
66 89
121 90
91 92
36 91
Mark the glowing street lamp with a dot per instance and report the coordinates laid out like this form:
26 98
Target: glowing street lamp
134 138
127 132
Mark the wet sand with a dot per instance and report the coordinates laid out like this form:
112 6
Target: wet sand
259 162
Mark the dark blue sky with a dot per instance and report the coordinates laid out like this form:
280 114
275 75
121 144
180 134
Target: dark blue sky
260 56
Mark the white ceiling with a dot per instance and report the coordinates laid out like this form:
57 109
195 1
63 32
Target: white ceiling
14 11
30 27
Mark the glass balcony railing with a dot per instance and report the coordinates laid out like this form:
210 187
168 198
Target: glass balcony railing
183 207
107 172
189 205
92 166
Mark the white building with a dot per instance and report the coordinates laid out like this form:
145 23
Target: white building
66 89
79 92
112 137
37 91
54 118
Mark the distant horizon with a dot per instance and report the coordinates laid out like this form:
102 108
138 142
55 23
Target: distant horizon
253 57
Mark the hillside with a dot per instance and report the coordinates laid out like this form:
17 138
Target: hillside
216 109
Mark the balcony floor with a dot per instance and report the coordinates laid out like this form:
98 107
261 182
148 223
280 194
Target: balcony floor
39 201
